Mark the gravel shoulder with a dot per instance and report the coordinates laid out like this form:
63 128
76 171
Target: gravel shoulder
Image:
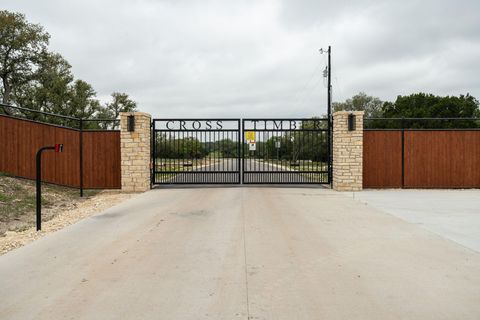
62 207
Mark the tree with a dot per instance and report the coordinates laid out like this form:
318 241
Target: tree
361 102
34 78
21 44
308 144
184 148
121 102
83 103
227 147
50 88
422 105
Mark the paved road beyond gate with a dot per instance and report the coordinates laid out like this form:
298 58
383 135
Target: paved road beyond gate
234 151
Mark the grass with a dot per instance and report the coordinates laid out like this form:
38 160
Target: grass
302 165
5 198
177 165
316 175
18 202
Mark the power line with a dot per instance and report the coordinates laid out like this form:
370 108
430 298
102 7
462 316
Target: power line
309 93
301 94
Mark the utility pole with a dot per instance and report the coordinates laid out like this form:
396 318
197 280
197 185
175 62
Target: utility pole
328 74
329 80
330 118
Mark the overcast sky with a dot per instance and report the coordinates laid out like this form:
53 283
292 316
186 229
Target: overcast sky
254 58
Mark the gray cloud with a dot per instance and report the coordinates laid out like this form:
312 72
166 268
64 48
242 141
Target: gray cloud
255 58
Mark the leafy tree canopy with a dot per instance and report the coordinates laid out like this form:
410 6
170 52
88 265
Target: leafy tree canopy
361 102
422 105
35 78
21 46
418 105
120 103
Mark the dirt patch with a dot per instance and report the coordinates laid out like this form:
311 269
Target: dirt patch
17 202
61 207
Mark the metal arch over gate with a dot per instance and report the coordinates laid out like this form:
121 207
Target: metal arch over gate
234 151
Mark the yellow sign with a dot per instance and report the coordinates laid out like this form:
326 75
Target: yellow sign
250 135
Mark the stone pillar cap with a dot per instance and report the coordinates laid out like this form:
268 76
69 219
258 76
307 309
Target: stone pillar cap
348 112
135 113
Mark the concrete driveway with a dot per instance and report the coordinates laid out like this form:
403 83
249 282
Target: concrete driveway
241 253
452 214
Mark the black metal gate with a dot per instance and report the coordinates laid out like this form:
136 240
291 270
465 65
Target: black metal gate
285 151
261 151
196 151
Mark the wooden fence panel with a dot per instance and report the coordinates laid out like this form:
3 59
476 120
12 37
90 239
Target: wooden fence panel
67 163
101 159
20 139
432 159
382 159
442 159
8 152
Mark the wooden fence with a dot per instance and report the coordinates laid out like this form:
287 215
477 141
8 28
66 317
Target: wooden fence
421 159
20 139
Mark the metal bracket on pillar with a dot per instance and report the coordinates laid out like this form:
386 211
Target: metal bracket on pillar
131 123
351 122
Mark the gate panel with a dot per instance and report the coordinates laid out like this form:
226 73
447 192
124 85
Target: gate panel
285 151
196 151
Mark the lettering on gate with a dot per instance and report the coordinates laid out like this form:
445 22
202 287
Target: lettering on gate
285 125
249 124
191 125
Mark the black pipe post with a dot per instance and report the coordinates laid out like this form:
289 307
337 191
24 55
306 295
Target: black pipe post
81 157
39 185
402 123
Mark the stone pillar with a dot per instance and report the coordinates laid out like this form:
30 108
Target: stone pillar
135 152
347 152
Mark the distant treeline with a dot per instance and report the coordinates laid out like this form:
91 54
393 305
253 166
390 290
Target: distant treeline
293 146
419 105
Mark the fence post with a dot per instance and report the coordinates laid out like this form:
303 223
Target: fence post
348 151
402 123
81 157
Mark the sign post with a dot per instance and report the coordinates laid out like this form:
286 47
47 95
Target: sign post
58 148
